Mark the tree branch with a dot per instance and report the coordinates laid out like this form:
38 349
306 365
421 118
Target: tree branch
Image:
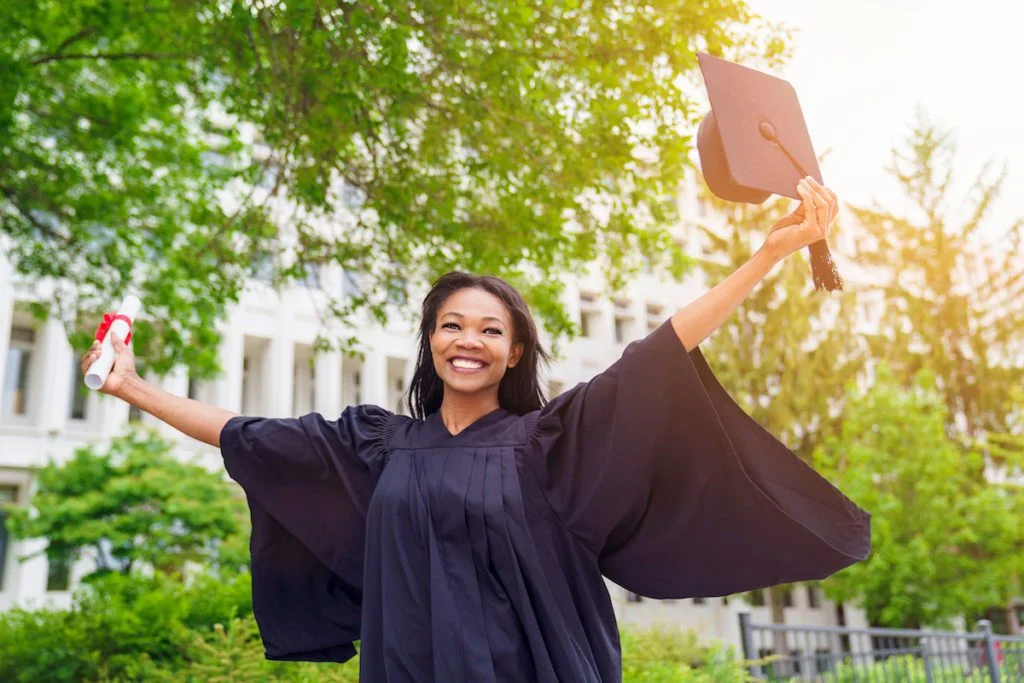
111 56
12 197
84 33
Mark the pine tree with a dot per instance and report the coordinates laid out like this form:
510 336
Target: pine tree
951 301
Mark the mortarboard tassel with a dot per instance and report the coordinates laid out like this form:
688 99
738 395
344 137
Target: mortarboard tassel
823 268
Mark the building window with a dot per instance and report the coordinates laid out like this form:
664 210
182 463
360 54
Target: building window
700 601
787 596
351 391
589 314
621 330
399 392
623 321
8 496
823 659
262 267
634 597
17 376
813 597
796 656
193 388
757 598
655 313
311 277
246 383
79 395
351 284
58 572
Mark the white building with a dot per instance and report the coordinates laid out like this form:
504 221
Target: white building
266 347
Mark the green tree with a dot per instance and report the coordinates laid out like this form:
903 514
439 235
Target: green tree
952 300
145 144
946 541
133 503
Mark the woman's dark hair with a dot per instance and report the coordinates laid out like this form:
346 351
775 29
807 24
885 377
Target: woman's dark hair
519 391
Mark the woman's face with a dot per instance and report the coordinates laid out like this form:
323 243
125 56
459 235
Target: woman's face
472 342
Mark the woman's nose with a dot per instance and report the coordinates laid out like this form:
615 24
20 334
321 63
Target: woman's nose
469 340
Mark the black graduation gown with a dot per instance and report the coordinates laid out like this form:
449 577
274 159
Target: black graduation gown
479 556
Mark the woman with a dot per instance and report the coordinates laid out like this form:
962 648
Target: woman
468 543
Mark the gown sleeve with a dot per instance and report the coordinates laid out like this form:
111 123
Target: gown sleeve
308 482
680 493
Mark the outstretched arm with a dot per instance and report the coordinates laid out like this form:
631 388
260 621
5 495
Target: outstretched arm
696 321
201 421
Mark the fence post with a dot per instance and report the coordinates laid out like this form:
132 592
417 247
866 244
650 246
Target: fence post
990 650
926 658
747 637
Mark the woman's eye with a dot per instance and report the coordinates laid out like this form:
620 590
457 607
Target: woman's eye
455 326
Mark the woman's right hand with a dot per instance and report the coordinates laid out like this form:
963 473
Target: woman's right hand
124 365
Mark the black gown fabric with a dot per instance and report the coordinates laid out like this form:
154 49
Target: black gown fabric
480 556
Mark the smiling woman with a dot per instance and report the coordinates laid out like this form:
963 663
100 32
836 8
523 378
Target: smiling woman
474 331
470 541
482 319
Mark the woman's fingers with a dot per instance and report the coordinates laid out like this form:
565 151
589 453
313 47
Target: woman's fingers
90 356
827 195
819 203
835 204
809 203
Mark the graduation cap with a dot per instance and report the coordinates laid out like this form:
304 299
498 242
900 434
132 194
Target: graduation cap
754 143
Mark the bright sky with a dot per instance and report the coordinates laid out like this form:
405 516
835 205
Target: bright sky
861 67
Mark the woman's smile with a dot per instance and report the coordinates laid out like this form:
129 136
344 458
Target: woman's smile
464 365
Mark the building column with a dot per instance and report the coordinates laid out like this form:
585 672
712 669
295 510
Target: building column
176 382
228 387
279 378
53 400
328 384
375 379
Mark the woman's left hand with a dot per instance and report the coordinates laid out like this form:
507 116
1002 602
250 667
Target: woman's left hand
809 223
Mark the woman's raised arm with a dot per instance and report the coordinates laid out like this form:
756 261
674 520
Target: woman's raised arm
201 421
810 222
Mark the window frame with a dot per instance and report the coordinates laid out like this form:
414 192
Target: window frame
18 481
33 348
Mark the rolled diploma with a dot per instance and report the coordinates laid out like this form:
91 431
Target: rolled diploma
97 373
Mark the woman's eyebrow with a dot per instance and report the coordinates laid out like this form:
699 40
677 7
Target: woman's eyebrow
486 317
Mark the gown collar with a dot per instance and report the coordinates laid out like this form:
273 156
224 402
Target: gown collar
437 424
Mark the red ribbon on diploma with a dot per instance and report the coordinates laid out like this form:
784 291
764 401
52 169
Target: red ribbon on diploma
108 320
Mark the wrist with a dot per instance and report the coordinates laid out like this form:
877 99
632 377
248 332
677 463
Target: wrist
766 257
131 387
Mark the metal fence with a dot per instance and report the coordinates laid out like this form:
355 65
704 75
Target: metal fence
837 654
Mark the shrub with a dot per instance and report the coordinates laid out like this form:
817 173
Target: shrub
161 629
669 655
122 627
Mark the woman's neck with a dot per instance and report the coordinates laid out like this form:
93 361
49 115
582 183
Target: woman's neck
458 412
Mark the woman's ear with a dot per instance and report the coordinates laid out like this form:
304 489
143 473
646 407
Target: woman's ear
515 355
